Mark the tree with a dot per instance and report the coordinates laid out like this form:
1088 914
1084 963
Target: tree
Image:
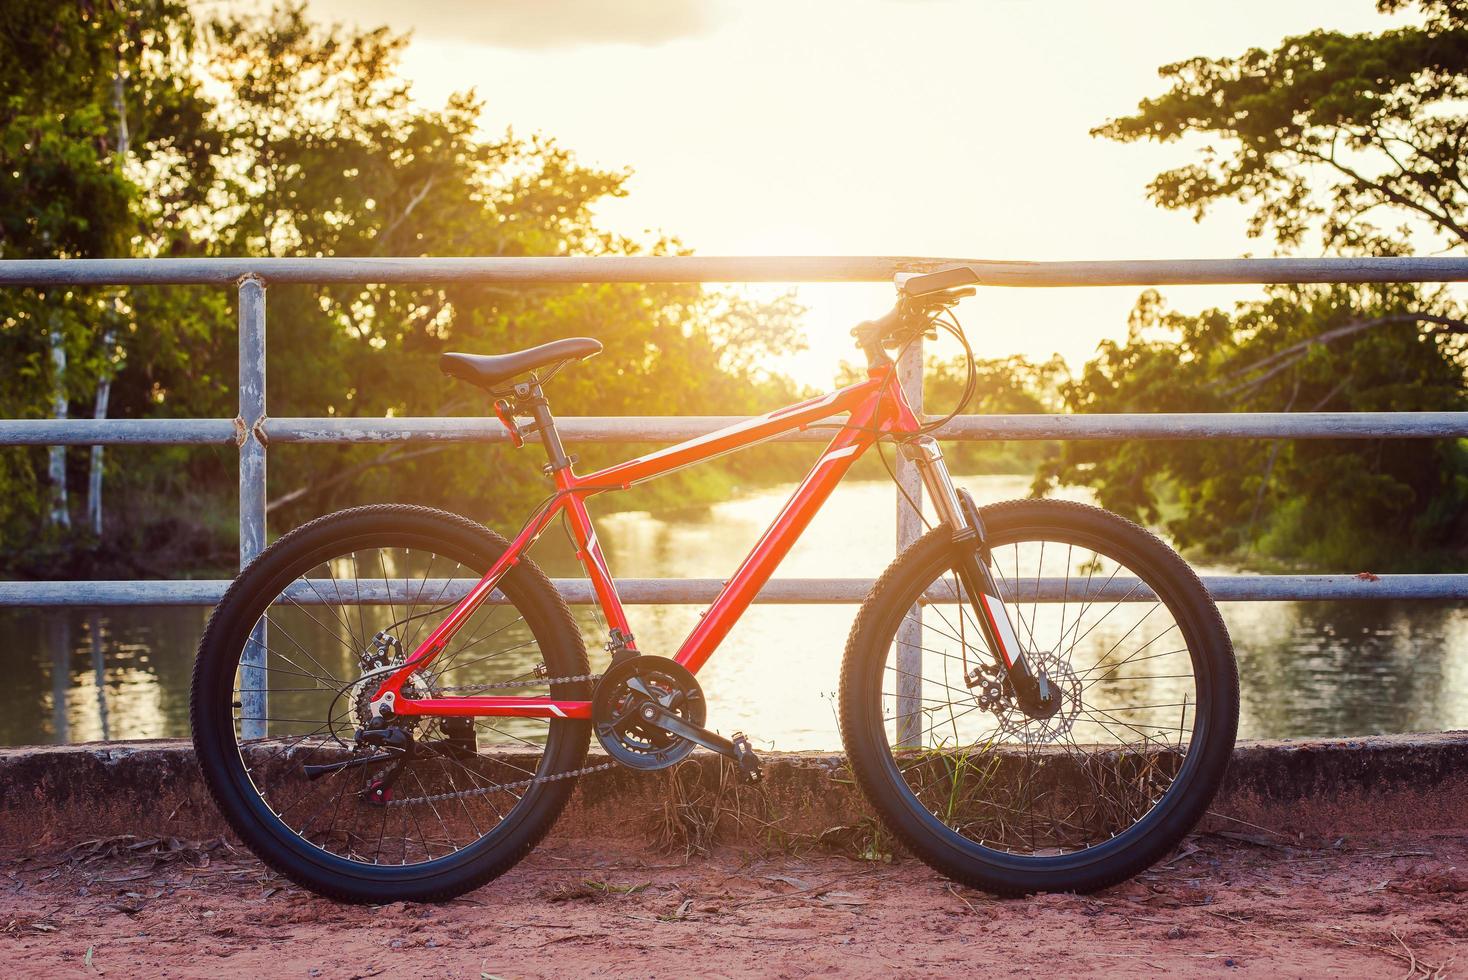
309 144
90 94
327 155
1328 134
1005 386
1324 131
1381 505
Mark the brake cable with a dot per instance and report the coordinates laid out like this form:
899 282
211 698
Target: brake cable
949 322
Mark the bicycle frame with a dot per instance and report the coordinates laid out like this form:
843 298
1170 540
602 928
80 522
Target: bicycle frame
877 406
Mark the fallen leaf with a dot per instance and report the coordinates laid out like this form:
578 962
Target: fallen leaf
842 898
790 880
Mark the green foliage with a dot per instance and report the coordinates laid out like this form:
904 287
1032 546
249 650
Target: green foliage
1333 133
356 169
308 144
1380 504
1006 386
92 104
1323 131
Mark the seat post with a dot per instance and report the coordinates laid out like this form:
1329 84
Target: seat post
545 427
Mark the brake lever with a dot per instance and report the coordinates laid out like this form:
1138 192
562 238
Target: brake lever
927 331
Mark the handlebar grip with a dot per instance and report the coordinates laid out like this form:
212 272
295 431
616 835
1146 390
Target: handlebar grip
938 281
873 331
886 323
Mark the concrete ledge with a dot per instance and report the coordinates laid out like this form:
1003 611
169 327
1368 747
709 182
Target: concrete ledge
57 794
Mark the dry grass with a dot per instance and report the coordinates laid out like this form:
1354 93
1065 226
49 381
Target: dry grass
695 810
1041 801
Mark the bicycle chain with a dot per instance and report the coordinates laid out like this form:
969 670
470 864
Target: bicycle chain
519 784
532 682
507 787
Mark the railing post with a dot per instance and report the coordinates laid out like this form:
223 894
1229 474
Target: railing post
909 529
253 701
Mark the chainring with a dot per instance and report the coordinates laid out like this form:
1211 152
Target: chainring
618 722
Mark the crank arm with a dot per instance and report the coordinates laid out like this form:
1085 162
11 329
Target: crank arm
738 749
326 769
659 717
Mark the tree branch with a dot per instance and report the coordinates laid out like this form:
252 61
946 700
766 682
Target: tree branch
1282 359
1453 324
1443 220
386 458
413 202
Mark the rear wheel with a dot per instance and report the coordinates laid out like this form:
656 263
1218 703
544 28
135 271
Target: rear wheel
1075 799
365 823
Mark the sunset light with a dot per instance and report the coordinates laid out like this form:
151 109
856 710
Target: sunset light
677 488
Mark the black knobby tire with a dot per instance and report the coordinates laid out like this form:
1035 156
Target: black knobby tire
970 857
213 704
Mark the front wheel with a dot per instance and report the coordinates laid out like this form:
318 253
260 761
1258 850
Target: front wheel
1075 799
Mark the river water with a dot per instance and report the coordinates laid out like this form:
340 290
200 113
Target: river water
1306 668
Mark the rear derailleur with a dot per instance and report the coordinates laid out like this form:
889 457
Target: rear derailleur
394 746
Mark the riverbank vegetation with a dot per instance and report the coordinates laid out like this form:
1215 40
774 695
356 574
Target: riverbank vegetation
141 130
1342 144
137 130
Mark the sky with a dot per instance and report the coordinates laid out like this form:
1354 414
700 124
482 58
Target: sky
868 127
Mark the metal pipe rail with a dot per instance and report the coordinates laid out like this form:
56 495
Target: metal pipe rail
522 270
252 430
790 591
652 428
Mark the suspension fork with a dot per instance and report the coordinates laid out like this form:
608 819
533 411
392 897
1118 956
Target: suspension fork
971 561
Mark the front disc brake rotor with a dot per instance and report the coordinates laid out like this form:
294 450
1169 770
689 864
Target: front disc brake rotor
617 718
1056 723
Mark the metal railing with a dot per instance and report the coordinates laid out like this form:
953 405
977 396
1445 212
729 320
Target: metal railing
253 430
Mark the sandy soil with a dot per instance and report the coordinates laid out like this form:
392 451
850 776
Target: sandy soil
1378 906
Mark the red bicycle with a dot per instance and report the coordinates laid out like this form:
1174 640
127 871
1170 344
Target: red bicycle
1036 695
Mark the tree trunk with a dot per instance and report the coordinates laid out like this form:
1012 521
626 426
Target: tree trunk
109 337
94 482
60 510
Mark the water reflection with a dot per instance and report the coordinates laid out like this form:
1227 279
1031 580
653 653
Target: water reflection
80 675
315 640
1334 668
1307 669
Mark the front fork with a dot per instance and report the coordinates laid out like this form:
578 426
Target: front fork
1033 690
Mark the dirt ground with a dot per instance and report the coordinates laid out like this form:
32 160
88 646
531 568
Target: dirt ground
1381 906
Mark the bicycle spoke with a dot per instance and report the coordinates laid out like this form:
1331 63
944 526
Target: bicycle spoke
438 801
357 643
1053 782
335 614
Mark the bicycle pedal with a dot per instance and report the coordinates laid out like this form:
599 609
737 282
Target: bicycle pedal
750 769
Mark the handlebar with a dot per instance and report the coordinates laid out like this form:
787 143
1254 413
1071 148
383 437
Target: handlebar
871 335
922 302
906 320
